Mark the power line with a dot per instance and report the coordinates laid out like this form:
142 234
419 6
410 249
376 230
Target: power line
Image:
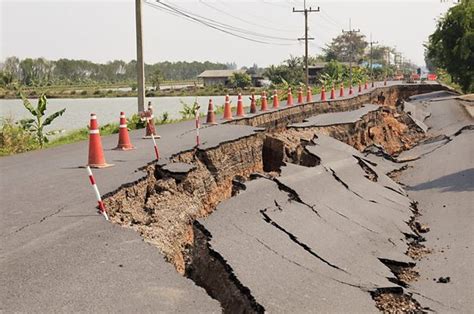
243 20
223 25
225 28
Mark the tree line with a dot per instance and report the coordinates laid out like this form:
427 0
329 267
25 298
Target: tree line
40 71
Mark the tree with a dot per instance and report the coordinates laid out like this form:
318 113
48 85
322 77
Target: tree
291 72
333 73
37 124
451 46
240 80
340 48
156 79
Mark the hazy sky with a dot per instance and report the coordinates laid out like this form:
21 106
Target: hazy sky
105 30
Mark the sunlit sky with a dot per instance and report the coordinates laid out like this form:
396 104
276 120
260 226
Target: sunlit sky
105 30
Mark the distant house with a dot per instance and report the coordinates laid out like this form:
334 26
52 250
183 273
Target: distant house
217 77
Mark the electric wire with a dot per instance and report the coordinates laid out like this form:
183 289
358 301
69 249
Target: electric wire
214 25
243 20
220 24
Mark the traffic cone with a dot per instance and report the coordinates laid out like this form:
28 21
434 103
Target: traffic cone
150 122
240 106
96 153
341 90
124 139
300 95
323 94
333 93
366 85
351 90
253 104
276 103
211 116
227 109
289 101
264 101
373 84
309 95
360 88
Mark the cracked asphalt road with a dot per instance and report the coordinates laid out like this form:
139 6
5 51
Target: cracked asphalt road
442 181
318 250
57 254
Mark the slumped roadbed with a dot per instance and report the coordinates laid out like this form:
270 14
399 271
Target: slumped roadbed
288 210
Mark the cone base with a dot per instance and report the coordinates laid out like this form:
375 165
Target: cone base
100 166
149 136
211 123
241 116
124 148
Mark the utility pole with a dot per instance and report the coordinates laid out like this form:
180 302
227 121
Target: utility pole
306 38
350 32
371 57
140 64
388 63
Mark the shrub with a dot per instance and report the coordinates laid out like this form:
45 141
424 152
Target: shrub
14 139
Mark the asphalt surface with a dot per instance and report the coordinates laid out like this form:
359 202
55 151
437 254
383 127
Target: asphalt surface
324 240
328 119
58 255
442 181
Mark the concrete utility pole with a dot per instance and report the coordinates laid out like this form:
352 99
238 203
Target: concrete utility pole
371 57
306 38
350 32
140 64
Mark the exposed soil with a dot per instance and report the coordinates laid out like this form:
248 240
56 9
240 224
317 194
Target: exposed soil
388 301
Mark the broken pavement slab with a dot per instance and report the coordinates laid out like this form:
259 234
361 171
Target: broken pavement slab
442 181
306 224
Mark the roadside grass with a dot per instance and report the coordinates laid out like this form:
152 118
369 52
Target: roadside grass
446 79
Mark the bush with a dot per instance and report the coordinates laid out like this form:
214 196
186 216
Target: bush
135 122
14 139
84 92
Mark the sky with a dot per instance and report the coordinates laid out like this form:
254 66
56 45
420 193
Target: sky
104 30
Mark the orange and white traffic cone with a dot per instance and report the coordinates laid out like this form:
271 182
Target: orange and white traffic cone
253 104
150 122
323 94
276 102
124 138
240 106
227 109
341 90
211 116
96 152
366 85
289 100
300 95
264 101
351 90
360 88
333 93
373 84
309 94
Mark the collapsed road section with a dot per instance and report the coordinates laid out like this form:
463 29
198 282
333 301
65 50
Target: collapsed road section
287 217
